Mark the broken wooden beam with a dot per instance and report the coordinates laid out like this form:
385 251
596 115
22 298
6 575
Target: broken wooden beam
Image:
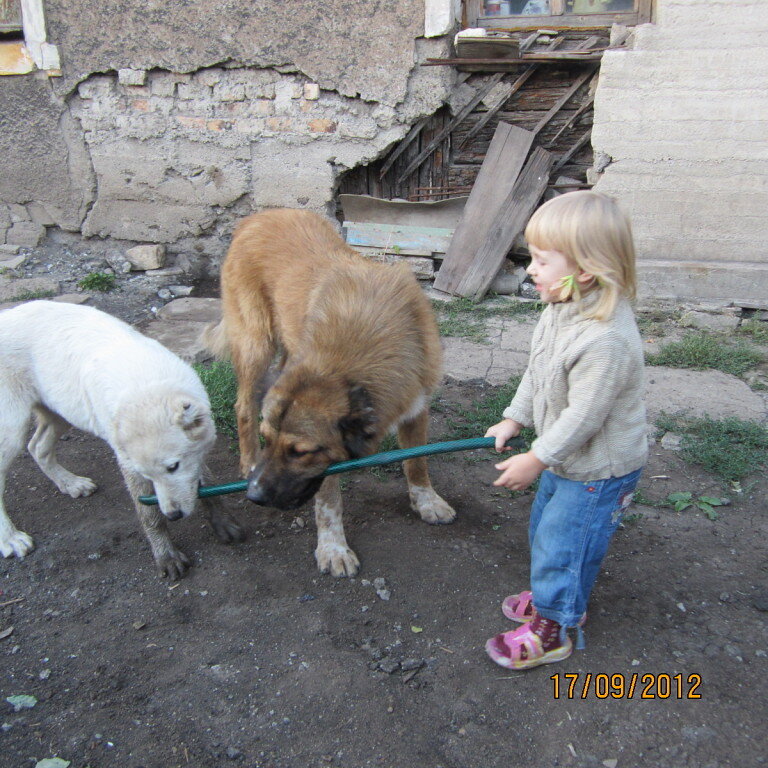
566 156
558 105
509 221
412 134
446 130
506 155
516 86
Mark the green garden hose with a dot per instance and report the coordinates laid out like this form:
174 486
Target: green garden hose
375 460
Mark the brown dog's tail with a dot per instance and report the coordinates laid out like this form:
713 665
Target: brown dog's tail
214 338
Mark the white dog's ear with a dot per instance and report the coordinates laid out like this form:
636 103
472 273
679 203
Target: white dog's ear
193 417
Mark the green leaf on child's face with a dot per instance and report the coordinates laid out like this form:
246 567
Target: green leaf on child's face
568 287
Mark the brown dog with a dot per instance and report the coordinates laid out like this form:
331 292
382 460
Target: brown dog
360 356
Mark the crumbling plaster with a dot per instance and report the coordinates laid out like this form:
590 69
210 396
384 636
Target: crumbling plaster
169 121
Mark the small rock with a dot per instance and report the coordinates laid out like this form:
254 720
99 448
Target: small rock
761 602
164 294
671 441
181 290
389 666
384 594
13 263
25 233
733 650
143 257
712 322
410 664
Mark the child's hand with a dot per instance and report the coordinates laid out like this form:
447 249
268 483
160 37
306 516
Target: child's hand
503 431
519 471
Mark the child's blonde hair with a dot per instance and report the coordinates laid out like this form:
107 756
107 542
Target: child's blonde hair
591 229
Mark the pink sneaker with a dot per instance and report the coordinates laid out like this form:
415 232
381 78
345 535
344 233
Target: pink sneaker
534 643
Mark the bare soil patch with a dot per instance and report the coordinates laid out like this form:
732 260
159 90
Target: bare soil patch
256 659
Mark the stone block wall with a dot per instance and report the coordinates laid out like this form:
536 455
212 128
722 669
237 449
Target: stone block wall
681 120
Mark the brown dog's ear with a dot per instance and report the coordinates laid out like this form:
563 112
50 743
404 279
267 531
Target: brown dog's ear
193 417
358 426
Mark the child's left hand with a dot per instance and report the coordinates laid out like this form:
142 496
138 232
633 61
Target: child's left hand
519 471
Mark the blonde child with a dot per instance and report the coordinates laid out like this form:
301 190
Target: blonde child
582 392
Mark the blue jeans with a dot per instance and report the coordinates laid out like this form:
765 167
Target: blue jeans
570 529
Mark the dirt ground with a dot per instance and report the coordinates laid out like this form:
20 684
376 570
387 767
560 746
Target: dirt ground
258 660
255 659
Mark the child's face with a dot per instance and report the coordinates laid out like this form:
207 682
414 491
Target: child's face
548 268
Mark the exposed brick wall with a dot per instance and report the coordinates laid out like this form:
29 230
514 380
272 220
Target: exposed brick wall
170 149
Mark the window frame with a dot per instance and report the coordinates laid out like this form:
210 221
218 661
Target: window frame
474 17
34 52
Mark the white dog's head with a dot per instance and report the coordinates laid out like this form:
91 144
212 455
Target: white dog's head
165 439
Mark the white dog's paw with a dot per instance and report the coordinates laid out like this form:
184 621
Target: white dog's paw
173 564
336 559
431 507
76 487
16 543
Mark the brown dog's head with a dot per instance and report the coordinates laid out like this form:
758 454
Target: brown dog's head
308 423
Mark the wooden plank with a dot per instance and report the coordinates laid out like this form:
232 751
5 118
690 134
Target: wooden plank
587 56
403 145
397 237
413 133
459 117
487 47
516 86
583 139
586 104
508 223
563 99
505 157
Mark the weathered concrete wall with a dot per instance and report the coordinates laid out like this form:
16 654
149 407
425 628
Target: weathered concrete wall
171 120
683 118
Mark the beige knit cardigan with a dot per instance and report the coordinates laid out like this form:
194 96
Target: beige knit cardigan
583 393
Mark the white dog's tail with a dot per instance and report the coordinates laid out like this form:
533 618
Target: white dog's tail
214 338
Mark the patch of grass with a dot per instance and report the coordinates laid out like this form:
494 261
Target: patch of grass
729 448
473 420
466 318
32 295
98 281
703 351
389 443
756 330
220 382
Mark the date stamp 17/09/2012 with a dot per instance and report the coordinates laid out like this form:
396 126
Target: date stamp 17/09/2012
578 685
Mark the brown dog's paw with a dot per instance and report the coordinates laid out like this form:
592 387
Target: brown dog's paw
336 559
431 508
226 529
173 564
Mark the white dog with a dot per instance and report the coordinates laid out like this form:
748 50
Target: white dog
76 366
